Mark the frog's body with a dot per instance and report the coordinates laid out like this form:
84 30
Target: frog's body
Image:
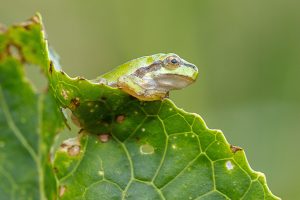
151 77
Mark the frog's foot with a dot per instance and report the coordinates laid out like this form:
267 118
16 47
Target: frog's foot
167 95
155 94
137 88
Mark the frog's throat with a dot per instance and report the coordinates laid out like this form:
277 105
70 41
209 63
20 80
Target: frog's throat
172 81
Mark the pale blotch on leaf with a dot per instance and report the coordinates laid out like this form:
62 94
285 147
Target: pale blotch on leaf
92 110
71 146
62 190
229 165
14 51
101 173
147 149
174 146
143 129
65 94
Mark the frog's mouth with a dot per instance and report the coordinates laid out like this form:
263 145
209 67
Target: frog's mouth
172 81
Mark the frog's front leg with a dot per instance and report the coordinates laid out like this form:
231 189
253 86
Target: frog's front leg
167 95
156 94
131 85
141 88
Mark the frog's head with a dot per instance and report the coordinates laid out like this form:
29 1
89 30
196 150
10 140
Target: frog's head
152 77
169 72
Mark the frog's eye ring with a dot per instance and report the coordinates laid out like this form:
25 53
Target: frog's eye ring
172 62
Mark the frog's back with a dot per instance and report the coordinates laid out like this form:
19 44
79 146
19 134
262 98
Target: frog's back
130 67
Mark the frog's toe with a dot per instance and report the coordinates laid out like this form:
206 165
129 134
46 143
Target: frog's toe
167 95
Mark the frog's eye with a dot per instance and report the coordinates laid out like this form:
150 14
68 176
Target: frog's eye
172 62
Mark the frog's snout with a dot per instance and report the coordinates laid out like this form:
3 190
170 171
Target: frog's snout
191 66
194 68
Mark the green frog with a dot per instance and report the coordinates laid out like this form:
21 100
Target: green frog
151 78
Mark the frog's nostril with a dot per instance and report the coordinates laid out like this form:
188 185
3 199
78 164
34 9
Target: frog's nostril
191 66
195 68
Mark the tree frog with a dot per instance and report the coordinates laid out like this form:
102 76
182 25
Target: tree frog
151 78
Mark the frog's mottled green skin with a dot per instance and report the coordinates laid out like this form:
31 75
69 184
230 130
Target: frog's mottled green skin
151 77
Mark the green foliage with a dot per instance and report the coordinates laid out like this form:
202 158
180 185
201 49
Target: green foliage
126 149
28 120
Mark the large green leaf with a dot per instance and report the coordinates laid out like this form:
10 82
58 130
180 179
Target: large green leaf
126 149
28 120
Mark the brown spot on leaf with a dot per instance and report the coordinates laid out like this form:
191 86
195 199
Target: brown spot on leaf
62 72
74 150
80 78
234 149
51 67
63 145
75 102
35 19
71 146
55 170
26 25
120 119
104 137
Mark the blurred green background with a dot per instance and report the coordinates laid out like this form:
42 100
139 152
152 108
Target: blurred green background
248 54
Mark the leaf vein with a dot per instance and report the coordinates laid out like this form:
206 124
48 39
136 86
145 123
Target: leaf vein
15 129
